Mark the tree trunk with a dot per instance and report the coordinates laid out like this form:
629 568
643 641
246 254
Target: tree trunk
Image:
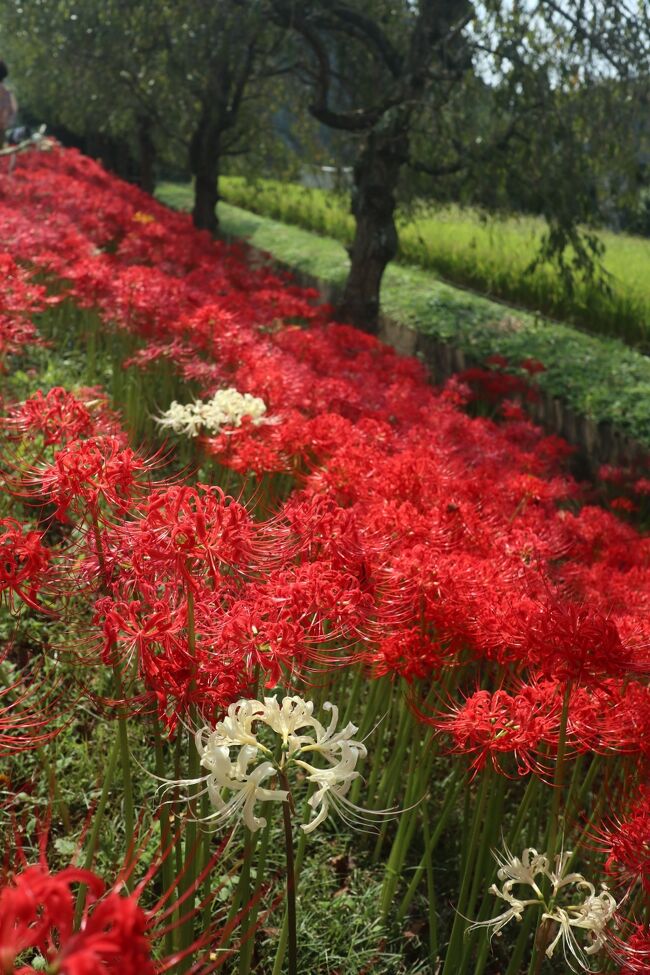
204 164
146 156
376 174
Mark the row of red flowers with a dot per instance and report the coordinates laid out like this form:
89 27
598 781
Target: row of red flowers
418 543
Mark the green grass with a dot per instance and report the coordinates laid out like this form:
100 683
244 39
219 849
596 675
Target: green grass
491 256
598 377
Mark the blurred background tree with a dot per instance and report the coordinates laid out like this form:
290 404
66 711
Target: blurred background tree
186 83
527 105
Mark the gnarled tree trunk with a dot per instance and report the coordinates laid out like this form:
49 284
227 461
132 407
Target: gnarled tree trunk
204 164
147 155
376 174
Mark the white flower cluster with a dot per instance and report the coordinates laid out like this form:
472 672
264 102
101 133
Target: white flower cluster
238 762
227 408
581 908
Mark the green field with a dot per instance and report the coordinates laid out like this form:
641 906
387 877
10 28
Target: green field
491 256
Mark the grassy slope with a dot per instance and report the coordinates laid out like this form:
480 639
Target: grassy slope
599 377
492 257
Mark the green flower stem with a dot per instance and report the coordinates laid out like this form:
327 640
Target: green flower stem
167 869
192 854
377 704
374 700
543 938
291 878
53 785
587 828
432 914
178 850
516 832
581 794
393 771
206 900
284 934
241 895
452 959
98 820
521 946
555 826
458 778
532 788
465 832
125 765
123 735
493 817
247 949
639 905
386 798
353 696
416 779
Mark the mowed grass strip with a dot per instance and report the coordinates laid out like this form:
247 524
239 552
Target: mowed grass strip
492 256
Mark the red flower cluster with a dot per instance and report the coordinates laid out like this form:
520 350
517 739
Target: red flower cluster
19 299
37 914
418 542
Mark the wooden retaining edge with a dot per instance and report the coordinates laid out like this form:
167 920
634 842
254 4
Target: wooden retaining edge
595 443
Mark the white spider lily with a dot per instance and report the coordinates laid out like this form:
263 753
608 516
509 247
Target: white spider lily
187 419
333 783
288 718
592 915
329 741
523 871
590 912
237 762
515 910
235 729
227 408
247 791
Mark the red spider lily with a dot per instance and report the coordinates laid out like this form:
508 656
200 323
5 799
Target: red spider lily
25 725
58 416
24 562
18 300
315 528
573 642
85 473
623 504
492 726
533 366
613 716
633 954
115 933
263 638
37 912
493 386
15 336
186 529
176 674
36 906
409 654
626 842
